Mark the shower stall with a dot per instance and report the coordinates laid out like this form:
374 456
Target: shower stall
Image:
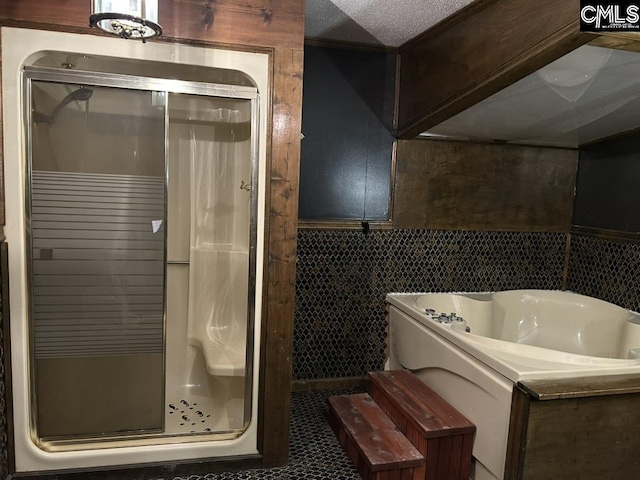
140 235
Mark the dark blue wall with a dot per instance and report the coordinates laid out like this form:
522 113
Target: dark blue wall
347 115
608 186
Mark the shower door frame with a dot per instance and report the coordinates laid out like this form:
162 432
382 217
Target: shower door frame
166 86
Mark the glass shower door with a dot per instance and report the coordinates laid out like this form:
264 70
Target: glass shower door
96 213
141 208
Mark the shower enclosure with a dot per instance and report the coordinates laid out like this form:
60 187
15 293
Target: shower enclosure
141 203
134 183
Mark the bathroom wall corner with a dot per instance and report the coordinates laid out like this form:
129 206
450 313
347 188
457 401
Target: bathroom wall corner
606 268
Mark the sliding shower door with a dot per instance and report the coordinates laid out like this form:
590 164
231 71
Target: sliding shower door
140 328
97 210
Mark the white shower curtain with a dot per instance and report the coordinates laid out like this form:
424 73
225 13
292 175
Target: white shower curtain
219 259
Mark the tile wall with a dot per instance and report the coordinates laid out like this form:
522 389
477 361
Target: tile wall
606 269
343 277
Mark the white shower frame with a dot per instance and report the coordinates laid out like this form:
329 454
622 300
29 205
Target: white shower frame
19 48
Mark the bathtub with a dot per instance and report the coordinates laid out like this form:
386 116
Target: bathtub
472 348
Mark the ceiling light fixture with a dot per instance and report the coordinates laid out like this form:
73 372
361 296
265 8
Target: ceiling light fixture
571 75
135 19
575 68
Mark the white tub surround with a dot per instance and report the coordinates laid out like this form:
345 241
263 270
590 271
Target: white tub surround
473 348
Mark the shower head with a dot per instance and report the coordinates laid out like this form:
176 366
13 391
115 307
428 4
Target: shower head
82 94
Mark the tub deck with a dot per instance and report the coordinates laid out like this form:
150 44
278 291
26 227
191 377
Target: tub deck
587 428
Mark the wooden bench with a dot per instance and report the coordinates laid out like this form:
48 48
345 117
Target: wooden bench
439 432
372 441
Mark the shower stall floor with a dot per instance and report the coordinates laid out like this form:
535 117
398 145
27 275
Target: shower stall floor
188 414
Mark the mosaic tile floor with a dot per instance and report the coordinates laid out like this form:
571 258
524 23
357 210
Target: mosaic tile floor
314 451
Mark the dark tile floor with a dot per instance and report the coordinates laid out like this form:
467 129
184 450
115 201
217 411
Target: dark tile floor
314 451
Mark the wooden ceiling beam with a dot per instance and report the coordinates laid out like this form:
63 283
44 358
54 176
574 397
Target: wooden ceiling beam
476 53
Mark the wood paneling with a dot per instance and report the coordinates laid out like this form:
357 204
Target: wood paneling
587 428
277 327
590 438
517 433
278 23
274 27
267 23
473 56
72 13
465 186
620 41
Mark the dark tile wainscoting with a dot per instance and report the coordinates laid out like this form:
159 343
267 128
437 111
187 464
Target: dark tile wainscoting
605 269
343 277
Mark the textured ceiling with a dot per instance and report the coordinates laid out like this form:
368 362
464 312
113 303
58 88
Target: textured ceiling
375 22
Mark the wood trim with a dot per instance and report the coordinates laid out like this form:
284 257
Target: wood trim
581 387
567 257
633 132
617 235
277 337
396 93
331 384
392 183
481 141
343 225
343 45
517 440
163 39
619 41
458 17
463 70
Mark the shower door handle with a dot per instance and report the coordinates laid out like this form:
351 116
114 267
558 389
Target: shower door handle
177 262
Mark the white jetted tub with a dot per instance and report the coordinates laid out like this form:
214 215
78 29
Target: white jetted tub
473 347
